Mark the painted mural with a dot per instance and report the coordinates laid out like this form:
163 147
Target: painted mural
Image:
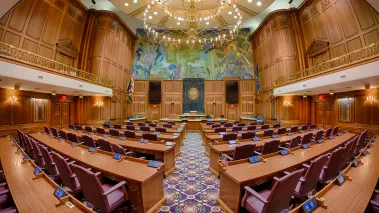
211 63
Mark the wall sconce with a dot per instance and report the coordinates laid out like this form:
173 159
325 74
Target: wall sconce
232 105
12 100
155 106
172 102
370 98
305 96
99 103
286 103
214 102
331 92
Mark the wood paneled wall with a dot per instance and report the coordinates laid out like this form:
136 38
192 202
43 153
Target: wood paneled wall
346 25
52 29
214 98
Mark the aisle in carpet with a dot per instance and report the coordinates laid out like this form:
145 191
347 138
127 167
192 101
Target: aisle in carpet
191 188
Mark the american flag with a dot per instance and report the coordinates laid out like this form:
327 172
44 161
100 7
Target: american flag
130 88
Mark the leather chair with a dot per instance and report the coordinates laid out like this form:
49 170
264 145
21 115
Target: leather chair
294 129
220 129
332 166
130 127
242 152
102 196
228 125
63 135
307 138
49 162
68 178
253 124
275 199
117 126
346 154
328 133
171 122
247 135
145 128
318 135
361 143
72 137
210 123
130 134
229 137
148 122
304 127
160 129
223 122
152 125
335 130
237 128
129 124
265 126
308 181
71 126
294 142
276 126
88 129
249 128
106 126
215 126
268 133
282 131
353 147
28 145
141 124
374 202
150 137
120 150
167 126
89 141
241 124
104 145
114 132
78 127
37 154
47 131
269 147
100 131
312 126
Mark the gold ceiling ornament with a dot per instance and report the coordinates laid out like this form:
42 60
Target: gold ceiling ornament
193 15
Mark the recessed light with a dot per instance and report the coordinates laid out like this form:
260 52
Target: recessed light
150 17
155 13
207 23
249 1
126 4
135 1
259 3
178 23
230 12
235 17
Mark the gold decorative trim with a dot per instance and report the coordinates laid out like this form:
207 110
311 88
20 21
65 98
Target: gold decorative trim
355 57
22 56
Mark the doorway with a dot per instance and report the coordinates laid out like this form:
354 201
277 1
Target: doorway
61 115
324 114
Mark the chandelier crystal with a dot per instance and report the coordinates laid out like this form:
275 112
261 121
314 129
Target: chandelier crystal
193 16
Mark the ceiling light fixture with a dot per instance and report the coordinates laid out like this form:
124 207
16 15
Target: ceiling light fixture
155 13
135 1
126 4
331 92
150 17
259 3
230 12
249 1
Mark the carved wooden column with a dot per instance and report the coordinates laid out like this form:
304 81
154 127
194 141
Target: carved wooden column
299 39
87 40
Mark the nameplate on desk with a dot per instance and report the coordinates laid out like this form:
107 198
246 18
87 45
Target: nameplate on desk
339 134
91 149
156 133
256 139
61 139
37 171
364 152
345 131
275 136
176 134
18 149
369 145
139 131
117 156
180 129
301 131
254 159
330 137
355 163
340 180
143 140
105 135
284 152
71 129
169 143
367 139
319 128
25 157
270 128
222 133
305 146
59 193
232 142
257 130
91 133
154 164
73 144
289 134
310 205
122 138
320 141
80 131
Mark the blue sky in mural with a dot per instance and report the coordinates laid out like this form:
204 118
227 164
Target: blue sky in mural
172 63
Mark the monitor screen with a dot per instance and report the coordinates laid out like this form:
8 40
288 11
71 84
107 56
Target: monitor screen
232 92
310 205
154 92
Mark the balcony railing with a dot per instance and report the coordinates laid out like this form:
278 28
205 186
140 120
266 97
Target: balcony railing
333 65
22 56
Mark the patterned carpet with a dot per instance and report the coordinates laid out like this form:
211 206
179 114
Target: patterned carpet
191 188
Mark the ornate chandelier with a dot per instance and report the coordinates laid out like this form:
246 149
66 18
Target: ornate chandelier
194 17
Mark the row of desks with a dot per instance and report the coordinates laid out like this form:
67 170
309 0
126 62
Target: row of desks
144 184
31 195
234 178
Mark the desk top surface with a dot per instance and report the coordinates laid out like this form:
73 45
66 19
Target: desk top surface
127 169
29 195
246 172
353 196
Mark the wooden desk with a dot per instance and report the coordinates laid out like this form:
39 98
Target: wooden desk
144 184
31 195
193 124
224 148
159 150
136 120
353 196
236 177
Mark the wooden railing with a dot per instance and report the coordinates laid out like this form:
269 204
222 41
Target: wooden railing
336 64
28 58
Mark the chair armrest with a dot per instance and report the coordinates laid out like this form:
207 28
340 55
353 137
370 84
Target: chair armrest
306 166
114 187
258 153
3 184
228 157
286 173
72 162
163 141
376 191
142 157
281 147
67 159
4 192
255 194
276 178
129 153
374 203
97 174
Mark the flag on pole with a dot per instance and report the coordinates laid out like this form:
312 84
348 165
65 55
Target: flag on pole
130 88
257 81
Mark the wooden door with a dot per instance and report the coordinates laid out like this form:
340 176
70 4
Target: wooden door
65 115
56 122
324 114
61 115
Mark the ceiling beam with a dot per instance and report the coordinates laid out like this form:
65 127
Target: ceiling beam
138 11
246 10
